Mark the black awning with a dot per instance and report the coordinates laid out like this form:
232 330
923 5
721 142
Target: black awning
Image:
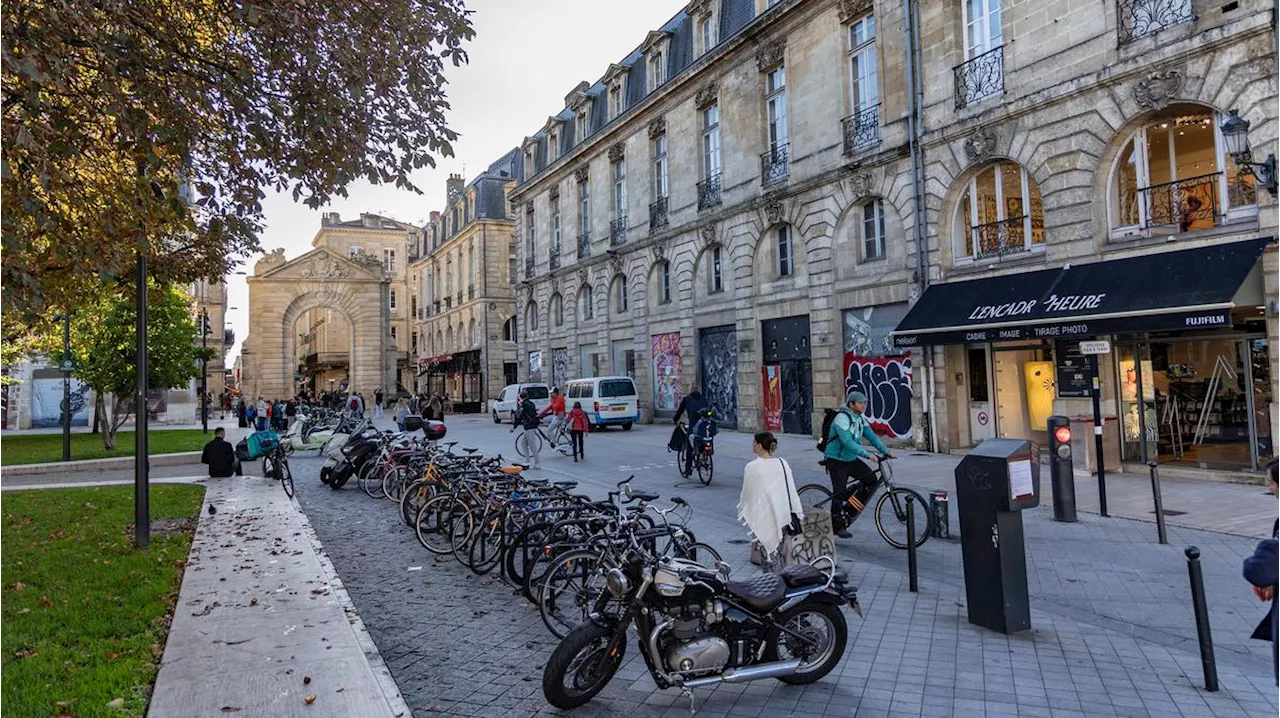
1162 291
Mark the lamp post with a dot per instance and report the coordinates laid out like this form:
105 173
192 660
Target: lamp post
1235 136
204 370
66 366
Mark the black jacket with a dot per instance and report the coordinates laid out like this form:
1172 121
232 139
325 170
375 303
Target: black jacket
692 406
220 456
528 415
1262 570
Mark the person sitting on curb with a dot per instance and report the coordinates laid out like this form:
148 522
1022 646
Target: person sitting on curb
219 455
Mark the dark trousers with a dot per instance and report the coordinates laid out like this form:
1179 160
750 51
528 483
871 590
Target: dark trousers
575 440
261 423
843 474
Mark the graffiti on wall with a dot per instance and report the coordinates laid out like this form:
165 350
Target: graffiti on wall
719 352
874 367
559 366
667 390
772 397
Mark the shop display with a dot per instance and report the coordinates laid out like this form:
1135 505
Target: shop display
1040 393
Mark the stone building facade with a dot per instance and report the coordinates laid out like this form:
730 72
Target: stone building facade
701 214
335 318
463 333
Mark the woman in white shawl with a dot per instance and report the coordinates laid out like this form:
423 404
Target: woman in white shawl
769 496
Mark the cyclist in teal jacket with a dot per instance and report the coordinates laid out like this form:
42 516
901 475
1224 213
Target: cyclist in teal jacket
845 455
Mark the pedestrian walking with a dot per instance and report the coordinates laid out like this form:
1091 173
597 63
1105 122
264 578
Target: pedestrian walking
402 410
261 414
527 419
769 504
578 427
1261 570
377 402
437 407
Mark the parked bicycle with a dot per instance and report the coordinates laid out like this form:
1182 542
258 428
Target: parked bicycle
275 466
890 510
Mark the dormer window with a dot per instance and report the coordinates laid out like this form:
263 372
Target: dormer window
615 101
655 52
580 125
657 70
706 33
529 170
616 80
553 145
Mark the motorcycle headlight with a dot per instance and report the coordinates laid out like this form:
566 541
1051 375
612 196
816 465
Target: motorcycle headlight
617 583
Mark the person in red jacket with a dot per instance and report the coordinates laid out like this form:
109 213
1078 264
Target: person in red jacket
578 427
555 409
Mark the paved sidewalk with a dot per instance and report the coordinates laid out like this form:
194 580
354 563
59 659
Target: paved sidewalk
262 626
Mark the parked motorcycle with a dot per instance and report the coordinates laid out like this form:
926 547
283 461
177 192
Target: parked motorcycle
307 433
697 628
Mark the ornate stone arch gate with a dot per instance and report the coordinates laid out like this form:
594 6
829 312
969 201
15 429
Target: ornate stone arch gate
282 291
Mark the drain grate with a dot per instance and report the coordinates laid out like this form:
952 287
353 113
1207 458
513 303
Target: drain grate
1172 512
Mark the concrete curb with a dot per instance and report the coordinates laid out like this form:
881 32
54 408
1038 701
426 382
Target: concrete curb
117 463
390 690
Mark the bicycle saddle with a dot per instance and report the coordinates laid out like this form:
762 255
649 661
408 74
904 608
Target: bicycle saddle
566 484
470 449
537 482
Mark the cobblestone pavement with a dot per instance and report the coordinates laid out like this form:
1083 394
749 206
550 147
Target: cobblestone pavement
1112 634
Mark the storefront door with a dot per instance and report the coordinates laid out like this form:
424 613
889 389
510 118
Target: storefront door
1138 418
981 420
718 353
786 344
1024 392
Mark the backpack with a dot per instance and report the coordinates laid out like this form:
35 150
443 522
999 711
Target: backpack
828 417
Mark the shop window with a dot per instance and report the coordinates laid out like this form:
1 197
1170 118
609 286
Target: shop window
999 213
1173 175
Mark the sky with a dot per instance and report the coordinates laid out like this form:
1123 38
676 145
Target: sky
525 57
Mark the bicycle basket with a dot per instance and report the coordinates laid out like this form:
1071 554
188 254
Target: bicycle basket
262 443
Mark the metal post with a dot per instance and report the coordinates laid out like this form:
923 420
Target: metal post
911 544
1201 610
1155 492
66 387
204 371
1097 435
141 490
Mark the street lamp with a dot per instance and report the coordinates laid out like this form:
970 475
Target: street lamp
66 365
1235 135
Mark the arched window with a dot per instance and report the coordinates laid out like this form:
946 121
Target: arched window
440 347
449 341
557 310
872 230
509 330
531 317
786 258
620 294
664 282
586 304
1173 175
999 213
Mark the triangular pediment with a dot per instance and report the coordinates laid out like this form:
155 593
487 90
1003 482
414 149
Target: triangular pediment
654 38
324 264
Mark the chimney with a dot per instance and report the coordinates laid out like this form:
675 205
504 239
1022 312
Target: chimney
368 220
453 185
330 218
434 215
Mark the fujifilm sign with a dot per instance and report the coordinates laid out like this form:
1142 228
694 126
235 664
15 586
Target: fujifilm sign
1053 305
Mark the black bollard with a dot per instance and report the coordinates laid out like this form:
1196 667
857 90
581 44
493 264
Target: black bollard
911 544
1201 611
1155 492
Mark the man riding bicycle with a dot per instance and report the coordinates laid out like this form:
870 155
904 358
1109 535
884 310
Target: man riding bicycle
556 409
845 455
695 407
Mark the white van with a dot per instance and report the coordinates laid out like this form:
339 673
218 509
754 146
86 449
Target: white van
606 399
505 405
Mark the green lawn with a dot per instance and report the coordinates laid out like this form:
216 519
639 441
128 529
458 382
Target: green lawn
85 615
41 448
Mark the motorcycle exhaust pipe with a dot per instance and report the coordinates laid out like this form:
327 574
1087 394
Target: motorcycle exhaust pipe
748 673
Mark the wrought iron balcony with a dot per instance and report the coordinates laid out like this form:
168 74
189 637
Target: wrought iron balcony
528 267
437 303
618 231
584 245
980 78
658 214
471 291
555 258
1187 204
1139 18
773 165
709 192
997 239
861 129
448 302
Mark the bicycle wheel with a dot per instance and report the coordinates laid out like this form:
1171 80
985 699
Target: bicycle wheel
394 482
369 479
815 496
486 547
415 495
705 465
699 553
433 523
569 591
285 476
562 442
268 467
462 531
891 517
680 463
535 439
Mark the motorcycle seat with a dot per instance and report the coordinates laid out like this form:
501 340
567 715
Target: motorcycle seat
760 594
802 574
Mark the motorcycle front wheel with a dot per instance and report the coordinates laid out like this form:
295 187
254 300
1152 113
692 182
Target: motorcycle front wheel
824 625
582 665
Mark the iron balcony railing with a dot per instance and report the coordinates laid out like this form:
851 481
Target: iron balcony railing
584 245
437 303
997 239
555 258
658 214
1187 204
861 129
980 78
773 164
709 192
1139 18
618 231
528 267
448 302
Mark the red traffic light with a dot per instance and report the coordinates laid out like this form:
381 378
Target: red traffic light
1062 435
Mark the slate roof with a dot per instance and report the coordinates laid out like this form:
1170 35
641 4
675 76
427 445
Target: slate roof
734 16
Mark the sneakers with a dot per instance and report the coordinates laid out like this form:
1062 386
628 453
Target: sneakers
843 533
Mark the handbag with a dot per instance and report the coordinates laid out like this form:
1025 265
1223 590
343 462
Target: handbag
796 527
785 549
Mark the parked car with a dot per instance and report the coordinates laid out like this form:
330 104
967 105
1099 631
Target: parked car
606 399
503 408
